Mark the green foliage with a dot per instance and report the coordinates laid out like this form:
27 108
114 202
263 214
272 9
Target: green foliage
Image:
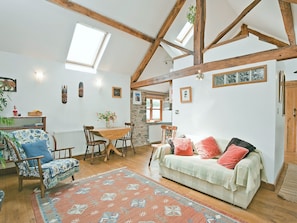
4 121
107 116
191 14
3 100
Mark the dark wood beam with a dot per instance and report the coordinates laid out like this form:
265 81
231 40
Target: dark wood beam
286 10
199 31
188 52
267 39
166 25
101 18
284 53
237 20
245 31
291 1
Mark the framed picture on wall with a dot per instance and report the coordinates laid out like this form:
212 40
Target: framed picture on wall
186 95
137 97
116 92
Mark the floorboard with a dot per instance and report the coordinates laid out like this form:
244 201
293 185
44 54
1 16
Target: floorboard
265 207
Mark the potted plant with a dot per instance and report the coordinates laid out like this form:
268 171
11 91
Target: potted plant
107 116
191 14
3 121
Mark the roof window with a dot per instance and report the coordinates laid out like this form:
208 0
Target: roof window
86 49
185 34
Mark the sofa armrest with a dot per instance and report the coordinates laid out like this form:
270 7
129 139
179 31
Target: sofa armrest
249 170
161 151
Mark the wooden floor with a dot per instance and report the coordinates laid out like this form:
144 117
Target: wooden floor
265 207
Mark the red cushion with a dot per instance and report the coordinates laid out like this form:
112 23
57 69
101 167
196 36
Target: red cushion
183 147
208 148
232 156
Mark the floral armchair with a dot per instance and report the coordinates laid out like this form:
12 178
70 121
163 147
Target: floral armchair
37 158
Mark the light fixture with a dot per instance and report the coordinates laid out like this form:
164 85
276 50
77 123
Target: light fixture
39 76
199 75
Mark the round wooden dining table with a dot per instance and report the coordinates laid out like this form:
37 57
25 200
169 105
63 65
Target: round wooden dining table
111 134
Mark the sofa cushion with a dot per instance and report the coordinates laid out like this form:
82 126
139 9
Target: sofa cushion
208 148
38 148
232 156
242 143
183 147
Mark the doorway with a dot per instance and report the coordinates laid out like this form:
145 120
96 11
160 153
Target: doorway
291 116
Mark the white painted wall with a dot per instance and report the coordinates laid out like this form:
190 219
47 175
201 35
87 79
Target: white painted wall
64 120
250 112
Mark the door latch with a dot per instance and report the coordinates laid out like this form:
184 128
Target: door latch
294 112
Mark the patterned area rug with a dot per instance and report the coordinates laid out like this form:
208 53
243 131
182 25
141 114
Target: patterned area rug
120 196
288 188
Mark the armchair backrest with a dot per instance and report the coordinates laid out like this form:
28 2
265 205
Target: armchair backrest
24 136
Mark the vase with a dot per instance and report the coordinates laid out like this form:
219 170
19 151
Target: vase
108 124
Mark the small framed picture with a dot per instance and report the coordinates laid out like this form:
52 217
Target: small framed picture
116 92
137 97
186 95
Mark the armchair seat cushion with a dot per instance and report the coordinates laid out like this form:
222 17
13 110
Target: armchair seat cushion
58 170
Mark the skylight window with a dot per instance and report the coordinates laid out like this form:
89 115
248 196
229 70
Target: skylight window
185 34
86 48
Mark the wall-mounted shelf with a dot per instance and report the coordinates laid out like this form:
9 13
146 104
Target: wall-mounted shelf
26 122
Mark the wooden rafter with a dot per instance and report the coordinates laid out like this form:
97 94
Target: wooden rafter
291 1
283 53
267 39
286 10
237 20
101 18
199 31
166 25
188 52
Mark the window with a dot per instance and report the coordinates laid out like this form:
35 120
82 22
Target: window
154 109
86 48
185 34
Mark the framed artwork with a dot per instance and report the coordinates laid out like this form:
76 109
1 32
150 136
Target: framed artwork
137 98
8 84
186 95
116 92
244 76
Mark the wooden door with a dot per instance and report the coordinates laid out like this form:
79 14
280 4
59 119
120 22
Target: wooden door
291 117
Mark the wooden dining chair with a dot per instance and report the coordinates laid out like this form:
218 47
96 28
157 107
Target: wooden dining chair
168 132
127 137
90 140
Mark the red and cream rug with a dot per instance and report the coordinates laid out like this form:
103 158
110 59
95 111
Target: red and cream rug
120 196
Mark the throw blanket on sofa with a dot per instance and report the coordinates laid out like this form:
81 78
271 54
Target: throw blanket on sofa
209 170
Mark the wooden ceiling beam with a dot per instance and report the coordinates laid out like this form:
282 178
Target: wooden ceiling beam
188 52
199 31
245 33
101 18
237 20
290 1
152 49
283 53
287 14
267 39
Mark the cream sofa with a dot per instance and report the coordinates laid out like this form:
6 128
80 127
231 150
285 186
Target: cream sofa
237 186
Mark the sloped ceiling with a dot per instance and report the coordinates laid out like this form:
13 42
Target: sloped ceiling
41 29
